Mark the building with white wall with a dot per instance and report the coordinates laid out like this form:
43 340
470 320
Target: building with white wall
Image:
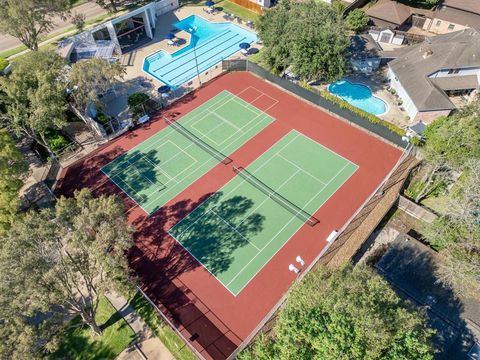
425 76
119 35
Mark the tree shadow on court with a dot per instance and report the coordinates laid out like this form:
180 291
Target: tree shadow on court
213 236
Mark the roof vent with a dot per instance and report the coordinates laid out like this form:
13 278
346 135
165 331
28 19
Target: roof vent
427 53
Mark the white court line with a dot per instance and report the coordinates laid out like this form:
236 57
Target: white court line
233 228
218 104
269 197
301 169
142 176
262 94
280 231
122 190
166 134
236 187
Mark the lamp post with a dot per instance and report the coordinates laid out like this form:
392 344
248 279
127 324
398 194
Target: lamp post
191 30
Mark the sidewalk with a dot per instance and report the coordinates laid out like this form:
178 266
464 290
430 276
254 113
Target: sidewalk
149 345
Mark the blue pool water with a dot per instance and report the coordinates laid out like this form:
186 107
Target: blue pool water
359 96
212 42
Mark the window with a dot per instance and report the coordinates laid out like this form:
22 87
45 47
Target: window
438 23
451 27
453 71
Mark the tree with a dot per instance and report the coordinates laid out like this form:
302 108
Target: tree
357 20
308 36
28 19
12 168
35 96
93 78
457 234
78 20
61 260
319 46
111 5
450 142
350 313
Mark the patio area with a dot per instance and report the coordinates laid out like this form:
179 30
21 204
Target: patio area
378 85
133 61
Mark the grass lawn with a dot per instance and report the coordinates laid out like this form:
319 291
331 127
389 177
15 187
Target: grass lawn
160 328
237 10
79 343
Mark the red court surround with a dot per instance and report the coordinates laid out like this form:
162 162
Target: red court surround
199 305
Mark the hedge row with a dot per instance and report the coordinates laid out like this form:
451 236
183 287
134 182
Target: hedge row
363 114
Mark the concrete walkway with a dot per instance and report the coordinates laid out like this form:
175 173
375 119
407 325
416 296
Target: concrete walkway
148 346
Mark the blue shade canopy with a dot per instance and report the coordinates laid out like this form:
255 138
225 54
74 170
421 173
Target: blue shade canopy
170 36
209 3
244 45
164 89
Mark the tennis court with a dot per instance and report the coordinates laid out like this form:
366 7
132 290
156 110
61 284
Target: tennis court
165 164
236 231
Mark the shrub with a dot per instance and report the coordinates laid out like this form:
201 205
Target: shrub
357 20
3 64
137 98
56 140
102 119
363 114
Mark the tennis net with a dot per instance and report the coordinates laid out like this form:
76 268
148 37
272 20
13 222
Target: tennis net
215 153
279 199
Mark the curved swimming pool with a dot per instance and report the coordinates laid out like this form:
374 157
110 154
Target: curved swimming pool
359 96
210 42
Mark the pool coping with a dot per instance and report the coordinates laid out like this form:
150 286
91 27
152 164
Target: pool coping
183 47
387 105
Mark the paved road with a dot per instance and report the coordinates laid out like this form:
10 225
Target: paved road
90 9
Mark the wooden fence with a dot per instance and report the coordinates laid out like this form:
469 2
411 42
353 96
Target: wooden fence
249 5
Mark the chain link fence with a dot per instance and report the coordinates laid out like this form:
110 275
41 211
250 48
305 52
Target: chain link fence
315 98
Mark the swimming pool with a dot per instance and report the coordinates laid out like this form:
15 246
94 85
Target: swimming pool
359 96
211 42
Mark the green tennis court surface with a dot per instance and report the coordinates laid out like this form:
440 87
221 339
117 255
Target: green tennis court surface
236 231
165 164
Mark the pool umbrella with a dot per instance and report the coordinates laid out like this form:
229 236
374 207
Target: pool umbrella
244 45
164 89
170 36
209 3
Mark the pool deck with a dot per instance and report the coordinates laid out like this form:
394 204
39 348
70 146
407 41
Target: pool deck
133 61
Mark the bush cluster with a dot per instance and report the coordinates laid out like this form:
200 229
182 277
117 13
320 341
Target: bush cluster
3 64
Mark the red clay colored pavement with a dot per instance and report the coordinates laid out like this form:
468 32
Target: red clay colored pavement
202 309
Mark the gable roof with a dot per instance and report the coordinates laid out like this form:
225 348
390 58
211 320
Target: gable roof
457 16
390 11
466 5
459 49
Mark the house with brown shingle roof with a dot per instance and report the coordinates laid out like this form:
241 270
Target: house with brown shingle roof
425 75
390 14
448 16
454 15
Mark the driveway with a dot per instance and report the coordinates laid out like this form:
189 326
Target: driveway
90 9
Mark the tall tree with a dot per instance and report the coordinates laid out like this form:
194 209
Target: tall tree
68 257
309 36
28 19
457 234
450 142
91 79
35 96
357 20
12 169
350 313
111 5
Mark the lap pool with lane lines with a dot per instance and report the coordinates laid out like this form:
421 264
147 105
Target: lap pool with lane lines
210 42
